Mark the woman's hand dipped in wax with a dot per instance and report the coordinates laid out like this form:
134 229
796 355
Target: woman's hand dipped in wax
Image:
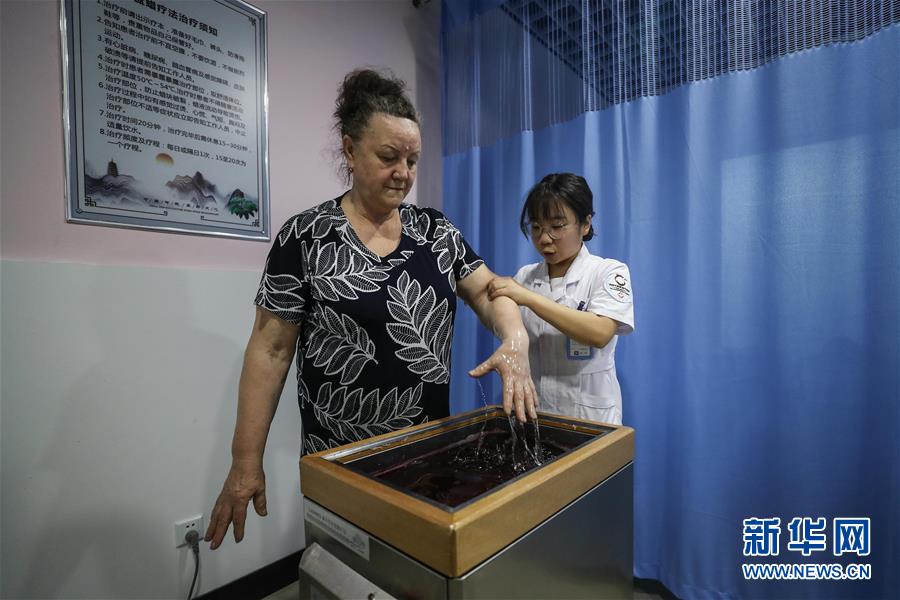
510 361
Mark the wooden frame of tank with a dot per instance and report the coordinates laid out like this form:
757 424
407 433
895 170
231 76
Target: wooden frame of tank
452 543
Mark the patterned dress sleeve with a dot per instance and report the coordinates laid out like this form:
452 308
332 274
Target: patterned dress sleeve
455 256
284 289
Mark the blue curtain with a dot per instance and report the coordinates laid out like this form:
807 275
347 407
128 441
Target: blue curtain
751 181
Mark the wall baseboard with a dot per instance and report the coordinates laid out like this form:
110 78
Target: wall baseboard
259 583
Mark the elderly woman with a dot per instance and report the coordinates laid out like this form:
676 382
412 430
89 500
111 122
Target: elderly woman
363 290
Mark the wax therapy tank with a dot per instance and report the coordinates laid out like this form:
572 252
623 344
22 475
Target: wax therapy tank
471 507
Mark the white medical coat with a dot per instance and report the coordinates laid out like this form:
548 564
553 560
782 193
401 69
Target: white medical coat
572 379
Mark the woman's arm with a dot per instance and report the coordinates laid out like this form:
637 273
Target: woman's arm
267 361
502 317
585 327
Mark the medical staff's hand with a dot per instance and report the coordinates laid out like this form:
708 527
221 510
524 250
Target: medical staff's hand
244 482
509 287
511 362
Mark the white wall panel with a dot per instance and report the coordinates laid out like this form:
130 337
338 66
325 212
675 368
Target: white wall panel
119 389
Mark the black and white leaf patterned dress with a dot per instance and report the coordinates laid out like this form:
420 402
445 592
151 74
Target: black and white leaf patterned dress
374 350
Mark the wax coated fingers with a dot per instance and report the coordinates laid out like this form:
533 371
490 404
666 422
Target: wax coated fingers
520 400
482 369
531 399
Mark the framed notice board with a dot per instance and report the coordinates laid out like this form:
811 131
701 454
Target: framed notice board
165 115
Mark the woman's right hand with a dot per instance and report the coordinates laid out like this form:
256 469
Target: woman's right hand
267 359
245 481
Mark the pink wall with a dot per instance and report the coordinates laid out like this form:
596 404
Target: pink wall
311 46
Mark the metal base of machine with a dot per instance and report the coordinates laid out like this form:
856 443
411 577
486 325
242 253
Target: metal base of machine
583 551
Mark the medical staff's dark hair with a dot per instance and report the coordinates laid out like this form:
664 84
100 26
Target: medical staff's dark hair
566 188
363 93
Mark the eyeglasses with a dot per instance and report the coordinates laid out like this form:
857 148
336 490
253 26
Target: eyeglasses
554 230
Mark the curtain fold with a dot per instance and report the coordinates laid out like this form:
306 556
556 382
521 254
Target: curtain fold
758 211
526 64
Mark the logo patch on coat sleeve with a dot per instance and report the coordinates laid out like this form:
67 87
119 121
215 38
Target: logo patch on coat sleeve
618 286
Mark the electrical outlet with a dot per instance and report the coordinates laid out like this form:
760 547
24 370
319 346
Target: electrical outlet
182 527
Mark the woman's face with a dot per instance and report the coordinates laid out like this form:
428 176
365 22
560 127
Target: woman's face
561 224
384 161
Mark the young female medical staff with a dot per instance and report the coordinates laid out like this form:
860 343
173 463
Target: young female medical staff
574 304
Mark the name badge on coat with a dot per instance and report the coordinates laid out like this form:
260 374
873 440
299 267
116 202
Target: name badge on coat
578 351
